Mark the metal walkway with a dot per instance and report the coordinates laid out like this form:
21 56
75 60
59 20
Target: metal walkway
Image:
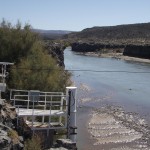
47 110
38 112
41 110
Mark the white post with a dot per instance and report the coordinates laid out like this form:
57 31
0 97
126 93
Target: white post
71 102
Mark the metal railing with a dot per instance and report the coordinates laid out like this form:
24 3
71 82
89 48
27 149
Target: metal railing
39 104
3 75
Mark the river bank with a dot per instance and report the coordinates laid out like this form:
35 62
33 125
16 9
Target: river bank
114 105
114 55
114 129
109 127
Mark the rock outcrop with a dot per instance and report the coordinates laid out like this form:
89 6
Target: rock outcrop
9 138
64 144
137 51
141 51
94 47
56 51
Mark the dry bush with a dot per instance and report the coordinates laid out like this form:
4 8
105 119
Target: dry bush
35 143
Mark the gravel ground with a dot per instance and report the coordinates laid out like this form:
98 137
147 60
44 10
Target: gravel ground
114 129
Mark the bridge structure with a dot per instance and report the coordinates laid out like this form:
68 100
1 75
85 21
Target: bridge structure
47 110
43 110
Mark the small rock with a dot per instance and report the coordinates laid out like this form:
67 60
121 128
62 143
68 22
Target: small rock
66 143
5 142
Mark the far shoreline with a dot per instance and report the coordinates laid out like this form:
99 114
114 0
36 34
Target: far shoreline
118 56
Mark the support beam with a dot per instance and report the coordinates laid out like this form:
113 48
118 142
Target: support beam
3 75
71 101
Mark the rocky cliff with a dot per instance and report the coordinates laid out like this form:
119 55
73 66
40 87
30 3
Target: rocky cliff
9 137
141 51
95 47
135 38
137 51
56 51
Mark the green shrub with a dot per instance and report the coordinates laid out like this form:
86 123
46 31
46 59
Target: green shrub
38 71
34 68
15 42
35 143
14 136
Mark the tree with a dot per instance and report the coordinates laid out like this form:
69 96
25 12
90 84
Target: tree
15 42
34 68
38 71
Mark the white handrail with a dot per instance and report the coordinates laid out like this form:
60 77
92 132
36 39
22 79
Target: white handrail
49 104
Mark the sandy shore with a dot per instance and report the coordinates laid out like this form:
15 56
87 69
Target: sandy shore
117 56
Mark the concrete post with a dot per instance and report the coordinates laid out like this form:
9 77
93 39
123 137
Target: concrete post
71 102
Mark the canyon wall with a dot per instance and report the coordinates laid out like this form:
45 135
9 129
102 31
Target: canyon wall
137 51
141 51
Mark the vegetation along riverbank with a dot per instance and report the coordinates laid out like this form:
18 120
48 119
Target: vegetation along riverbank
39 65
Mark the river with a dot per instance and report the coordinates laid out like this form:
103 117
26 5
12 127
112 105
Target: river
109 81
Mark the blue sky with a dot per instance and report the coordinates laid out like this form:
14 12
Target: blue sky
75 15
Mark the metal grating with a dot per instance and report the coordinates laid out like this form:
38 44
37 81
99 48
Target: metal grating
49 109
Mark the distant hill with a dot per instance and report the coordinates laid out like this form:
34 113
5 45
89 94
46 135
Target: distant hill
51 34
130 31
